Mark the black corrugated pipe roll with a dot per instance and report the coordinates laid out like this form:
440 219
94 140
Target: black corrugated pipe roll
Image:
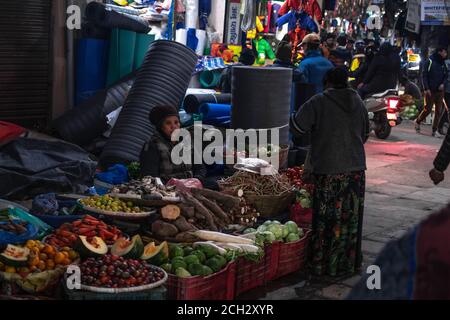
103 17
261 99
87 121
162 80
193 101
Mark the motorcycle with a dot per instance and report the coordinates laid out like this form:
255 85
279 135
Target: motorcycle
384 112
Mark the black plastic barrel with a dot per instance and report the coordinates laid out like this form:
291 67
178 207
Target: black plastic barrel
261 99
103 17
162 80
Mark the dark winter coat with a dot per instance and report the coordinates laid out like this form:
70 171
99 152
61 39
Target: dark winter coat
383 71
434 73
156 161
339 127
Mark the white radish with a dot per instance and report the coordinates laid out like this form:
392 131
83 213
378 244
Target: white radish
221 237
230 246
251 235
247 248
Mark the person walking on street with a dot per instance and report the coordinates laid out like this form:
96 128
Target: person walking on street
313 66
434 78
339 126
445 119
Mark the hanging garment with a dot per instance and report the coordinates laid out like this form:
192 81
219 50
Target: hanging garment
269 17
288 5
251 34
274 17
249 19
305 22
264 50
204 7
310 6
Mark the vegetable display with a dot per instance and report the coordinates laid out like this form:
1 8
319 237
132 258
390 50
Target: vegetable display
199 260
111 271
109 203
88 226
271 231
251 183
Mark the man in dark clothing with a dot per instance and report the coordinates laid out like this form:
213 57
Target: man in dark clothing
434 78
342 50
283 60
247 58
382 73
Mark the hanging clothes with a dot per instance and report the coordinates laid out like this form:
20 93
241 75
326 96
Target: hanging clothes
310 6
263 49
204 8
251 34
274 17
305 23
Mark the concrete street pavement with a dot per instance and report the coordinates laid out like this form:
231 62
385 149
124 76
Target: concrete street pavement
399 194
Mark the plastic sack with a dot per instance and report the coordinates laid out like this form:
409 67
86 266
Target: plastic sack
116 174
255 165
185 184
42 228
9 237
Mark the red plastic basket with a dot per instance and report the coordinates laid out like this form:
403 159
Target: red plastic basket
249 274
271 255
292 256
218 286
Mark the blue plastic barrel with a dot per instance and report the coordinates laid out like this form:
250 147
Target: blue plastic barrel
91 68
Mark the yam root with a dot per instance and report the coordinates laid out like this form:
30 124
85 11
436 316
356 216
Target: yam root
214 208
200 209
187 211
170 212
163 229
186 237
228 202
183 225
199 216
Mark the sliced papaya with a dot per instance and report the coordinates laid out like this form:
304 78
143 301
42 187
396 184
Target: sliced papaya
94 247
156 255
129 249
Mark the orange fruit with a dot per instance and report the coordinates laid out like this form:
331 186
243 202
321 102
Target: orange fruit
43 256
66 254
41 265
49 250
50 264
73 255
59 257
30 244
66 262
35 250
67 249
24 270
9 269
33 268
34 261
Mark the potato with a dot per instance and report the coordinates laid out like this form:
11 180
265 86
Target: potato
163 229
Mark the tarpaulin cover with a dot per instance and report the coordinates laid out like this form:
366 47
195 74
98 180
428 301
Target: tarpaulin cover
29 167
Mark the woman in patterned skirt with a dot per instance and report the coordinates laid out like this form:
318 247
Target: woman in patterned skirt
339 127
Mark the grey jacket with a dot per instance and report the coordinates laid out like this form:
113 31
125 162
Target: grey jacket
339 126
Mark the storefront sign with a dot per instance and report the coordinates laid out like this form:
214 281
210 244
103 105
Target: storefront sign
413 17
435 12
233 22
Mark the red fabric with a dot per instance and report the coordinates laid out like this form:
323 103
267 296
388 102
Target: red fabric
9 131
311 7
269 16
432 278
288 5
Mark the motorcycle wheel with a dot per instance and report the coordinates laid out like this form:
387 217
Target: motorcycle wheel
382 128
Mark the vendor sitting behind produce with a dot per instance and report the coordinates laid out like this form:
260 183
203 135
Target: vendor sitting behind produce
156 158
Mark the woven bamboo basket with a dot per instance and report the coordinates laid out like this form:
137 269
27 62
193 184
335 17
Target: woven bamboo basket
270 205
